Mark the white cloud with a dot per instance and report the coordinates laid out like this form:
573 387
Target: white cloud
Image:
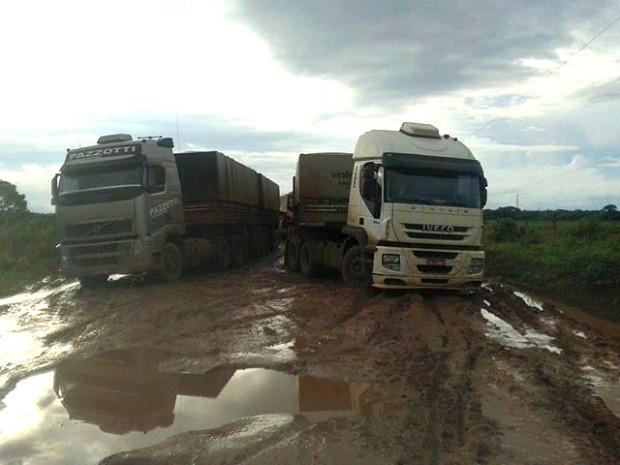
89 60
579 184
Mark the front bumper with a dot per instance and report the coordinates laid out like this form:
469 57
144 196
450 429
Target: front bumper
106 257
428 268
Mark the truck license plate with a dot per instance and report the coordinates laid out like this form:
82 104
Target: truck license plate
436 262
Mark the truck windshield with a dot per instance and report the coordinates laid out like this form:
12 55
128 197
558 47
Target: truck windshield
77 181
96 186
432 188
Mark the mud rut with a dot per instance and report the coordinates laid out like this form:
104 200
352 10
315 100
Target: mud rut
440 382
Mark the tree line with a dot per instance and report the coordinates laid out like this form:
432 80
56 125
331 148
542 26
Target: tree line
607 213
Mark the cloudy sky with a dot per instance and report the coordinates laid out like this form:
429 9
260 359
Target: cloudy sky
263 80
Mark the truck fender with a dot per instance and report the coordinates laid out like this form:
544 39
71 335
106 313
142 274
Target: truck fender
357 233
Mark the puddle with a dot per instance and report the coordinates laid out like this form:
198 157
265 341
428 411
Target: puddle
27 319
36 296
503 332
580 334
84 411
529 300
608 390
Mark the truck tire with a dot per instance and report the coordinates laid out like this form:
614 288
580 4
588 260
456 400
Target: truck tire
171 262
352 272
307 259
239 251
91 282
292 255
253 244
224 259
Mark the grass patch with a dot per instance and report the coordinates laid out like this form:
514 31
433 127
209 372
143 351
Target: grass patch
573 261
27 250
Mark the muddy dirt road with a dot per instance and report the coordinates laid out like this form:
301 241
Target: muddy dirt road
257 366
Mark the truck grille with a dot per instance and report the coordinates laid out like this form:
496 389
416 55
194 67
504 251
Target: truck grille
434 269
441 233
435 254
99 228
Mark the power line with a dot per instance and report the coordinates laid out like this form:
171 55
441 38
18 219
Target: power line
563 63
519 189
515 190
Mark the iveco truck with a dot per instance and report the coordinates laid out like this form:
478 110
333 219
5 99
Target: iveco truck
132 206
403 211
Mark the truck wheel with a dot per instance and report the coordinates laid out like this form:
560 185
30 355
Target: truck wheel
307 263
172 262
224 258
352 272
91 282
239 251
292 255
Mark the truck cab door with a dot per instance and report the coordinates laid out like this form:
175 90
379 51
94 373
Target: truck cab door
163 204
370 209
156 198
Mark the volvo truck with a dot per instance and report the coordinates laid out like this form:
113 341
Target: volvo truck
403 211
131 206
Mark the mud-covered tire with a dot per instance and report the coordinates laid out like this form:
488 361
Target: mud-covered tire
224 256
291 257
239 251
307 263
92 282
352 271
171 262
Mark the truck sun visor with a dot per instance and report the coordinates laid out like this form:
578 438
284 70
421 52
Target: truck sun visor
423 162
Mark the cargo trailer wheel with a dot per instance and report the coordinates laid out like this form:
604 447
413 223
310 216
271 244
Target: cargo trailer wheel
91 282
307 264
224 258
352 271
172 262
292 255
239 251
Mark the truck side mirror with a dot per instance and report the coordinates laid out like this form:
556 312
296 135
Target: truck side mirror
54 189
483 191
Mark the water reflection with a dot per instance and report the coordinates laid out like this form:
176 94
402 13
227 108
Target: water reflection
123 391
112 400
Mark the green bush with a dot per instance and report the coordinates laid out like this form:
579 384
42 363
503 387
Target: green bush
591 229
503 230
571 255
27 249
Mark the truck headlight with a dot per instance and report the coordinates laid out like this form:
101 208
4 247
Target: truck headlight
476 266
391 261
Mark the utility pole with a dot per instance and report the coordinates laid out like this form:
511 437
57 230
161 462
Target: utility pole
517 200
